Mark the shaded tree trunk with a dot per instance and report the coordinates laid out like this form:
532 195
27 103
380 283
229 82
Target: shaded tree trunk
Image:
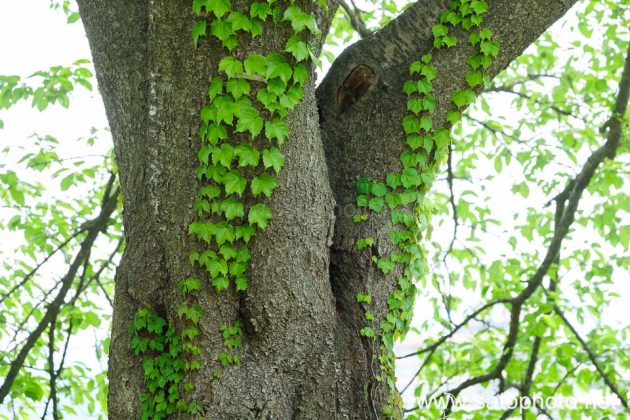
303 356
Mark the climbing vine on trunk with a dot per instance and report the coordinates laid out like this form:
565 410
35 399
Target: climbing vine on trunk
404 192
242 131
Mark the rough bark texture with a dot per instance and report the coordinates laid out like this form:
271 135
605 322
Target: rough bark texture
303 356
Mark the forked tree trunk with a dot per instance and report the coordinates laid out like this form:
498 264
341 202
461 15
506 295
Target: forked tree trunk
303 356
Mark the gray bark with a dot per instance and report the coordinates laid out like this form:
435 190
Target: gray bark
303 356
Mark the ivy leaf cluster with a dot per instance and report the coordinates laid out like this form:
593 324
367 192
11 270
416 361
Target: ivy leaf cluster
403 192
242 131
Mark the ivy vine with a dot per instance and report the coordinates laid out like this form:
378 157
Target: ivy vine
404 192
242 132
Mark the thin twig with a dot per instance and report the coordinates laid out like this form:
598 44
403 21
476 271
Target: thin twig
108 206
354 16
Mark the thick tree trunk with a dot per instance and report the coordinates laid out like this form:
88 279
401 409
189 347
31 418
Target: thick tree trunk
302 356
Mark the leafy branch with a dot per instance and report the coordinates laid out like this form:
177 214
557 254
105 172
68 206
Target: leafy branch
97 225
567 204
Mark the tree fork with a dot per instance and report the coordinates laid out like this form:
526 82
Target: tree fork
302 355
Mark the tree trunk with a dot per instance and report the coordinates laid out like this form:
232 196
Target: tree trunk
302 355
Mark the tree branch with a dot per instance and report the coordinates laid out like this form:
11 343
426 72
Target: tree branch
354 16
457 328
567 204
31 273
375 114
100 224
593 358
51 371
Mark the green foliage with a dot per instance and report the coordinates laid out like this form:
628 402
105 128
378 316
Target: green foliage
232 340
405 191
56 85
238 128
528 135
47 205
563 89
164 366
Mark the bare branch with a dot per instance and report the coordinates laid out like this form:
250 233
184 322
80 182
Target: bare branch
31 273
51 372
507 89
457 328
593 358
354 16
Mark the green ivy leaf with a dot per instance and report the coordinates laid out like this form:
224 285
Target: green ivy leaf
223 155
239 21
363 185
224 107
414 141
245 232
479 6
234 183
364 243
215 88
228 252
485 34
255 64
264 184
489 48
297 47
376 204
429 72
223 232
462 98
300 20
237 87
241 283
276 129
232 208
474 78
218 7
277 66
189 285
247 155
273 158
259 214
453 117
415 105
441 137
198 5
215 133
223 31
411 124
220 283
439 31
368 332
426 124
259 10
379 189
415 67
249 120
410 87
199 30
300 73
230 66
364 298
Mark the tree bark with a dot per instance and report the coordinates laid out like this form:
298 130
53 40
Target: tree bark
302 356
